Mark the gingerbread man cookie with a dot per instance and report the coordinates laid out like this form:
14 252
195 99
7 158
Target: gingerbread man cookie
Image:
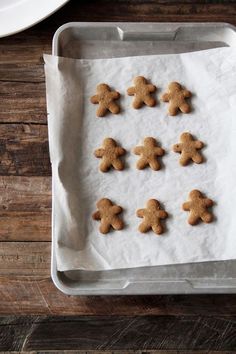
108 214
142 92
197 205
149 154
188 148
110 154
105 99
152 214
176 96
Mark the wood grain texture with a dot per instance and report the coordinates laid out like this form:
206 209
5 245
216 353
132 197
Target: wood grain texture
25 208
31 291
119 333
24 150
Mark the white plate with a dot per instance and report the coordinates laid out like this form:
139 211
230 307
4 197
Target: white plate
17 15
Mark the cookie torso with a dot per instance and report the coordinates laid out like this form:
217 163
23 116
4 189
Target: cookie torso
176 96
152 216
105 98
110 153
149 152
142 93
198 207
189 149
107 213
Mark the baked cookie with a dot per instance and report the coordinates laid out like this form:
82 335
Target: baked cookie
188 148
152 214
142 93
110 154
108 214
105 99
176 96
149 152
197 205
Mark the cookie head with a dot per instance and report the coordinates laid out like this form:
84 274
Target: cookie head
174 86
152 216
105 98
101 88
149 154
139 80
189 149
108 213
198 205
110 154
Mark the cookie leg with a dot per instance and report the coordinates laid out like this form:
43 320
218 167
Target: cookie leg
207 217
184 160
117 224
118 164
155 164
144 227
185 108
101 111
104 227
197 158
104 166
173 110
137 103
114 108
142 163
150 101
158 229
193 219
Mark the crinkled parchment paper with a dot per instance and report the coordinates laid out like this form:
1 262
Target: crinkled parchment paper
75 132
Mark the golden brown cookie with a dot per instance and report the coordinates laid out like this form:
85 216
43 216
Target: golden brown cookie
142 92
176 96
152 214
105 99
110 154
188 148
197 205
108 214
149 154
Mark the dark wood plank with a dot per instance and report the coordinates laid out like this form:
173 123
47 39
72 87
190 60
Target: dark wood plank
31 291
25 208
121 333
24 150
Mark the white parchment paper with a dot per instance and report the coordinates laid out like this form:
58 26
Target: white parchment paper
75 132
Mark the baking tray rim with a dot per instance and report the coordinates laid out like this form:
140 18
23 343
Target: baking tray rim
54 272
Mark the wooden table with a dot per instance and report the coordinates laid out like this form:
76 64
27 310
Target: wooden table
183 322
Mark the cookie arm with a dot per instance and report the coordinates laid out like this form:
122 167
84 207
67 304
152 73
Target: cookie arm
165 97
198 144
151 88
116 209
115 95
186 93
140 213
162 214
159 151
94 99
131 91
177 147
186 206
99 152
120 151
96 215
208 202
138 150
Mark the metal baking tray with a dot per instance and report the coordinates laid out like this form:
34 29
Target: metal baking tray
110 40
